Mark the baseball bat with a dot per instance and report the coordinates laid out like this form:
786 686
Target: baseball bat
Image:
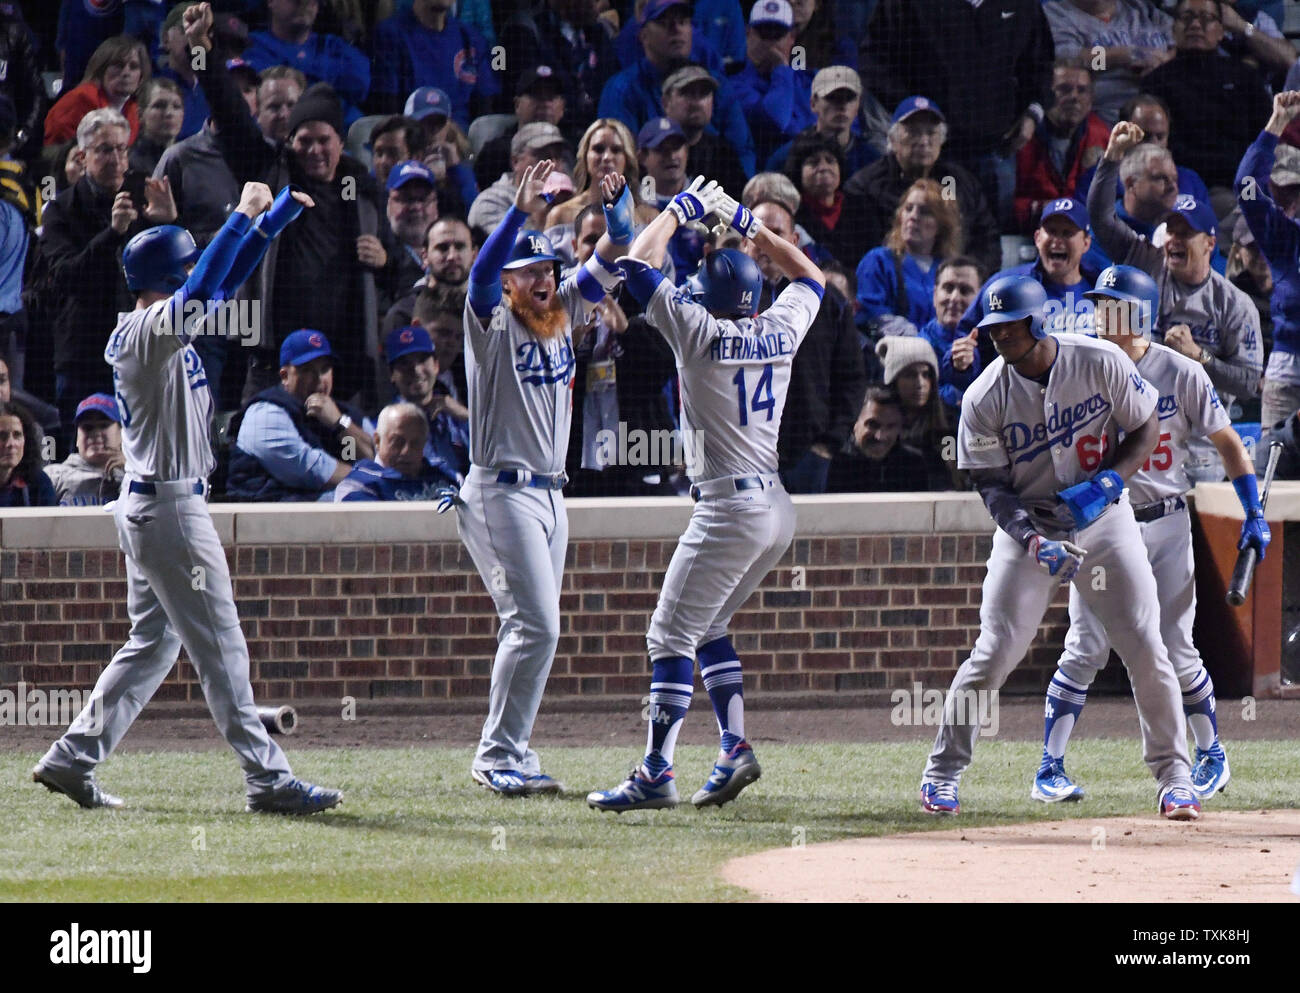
1244 571
278 720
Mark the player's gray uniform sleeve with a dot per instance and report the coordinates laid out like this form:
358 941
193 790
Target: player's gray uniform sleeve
686 326
1205 411
979 435
1116 238
1132 398
1238 362
167 327
794 310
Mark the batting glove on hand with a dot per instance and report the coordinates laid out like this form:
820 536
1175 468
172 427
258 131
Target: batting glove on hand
1254 531
696 201
448 497
1060 558
737 215
1086 501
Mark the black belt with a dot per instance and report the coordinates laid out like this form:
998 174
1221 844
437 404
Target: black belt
1154 511
741 483
149 489
537 480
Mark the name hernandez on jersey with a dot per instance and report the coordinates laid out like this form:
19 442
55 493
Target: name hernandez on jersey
521 387
156 374
734 375
1049 437
1189 409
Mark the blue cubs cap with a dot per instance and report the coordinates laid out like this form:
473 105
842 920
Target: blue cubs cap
1198 213
410 171
657 130
916 105
99 403
1069 207
777 12
407 341
303 346
427 101
656 9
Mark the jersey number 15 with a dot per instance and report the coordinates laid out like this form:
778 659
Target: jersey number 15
762 399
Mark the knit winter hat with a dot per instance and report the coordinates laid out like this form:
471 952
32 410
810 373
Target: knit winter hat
897 352
318 103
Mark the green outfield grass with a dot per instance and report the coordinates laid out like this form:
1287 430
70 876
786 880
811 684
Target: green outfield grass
413 827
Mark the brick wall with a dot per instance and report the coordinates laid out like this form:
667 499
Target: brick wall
393 617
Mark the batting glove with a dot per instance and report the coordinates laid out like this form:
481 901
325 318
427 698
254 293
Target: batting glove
737 215
448 497
1087 501
696 201
1254 529
1060 558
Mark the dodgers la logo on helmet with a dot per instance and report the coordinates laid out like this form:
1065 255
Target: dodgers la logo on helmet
995 301
1107 277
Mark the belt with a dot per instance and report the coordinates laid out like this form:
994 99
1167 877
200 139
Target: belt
176 488
727 485
537 480
1154 511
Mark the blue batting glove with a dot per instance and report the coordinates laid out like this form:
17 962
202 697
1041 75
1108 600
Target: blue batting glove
281 213
620 218
1254 529
1060 558
1087 501
448 497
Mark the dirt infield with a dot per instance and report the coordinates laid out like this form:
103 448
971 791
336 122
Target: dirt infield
1232 856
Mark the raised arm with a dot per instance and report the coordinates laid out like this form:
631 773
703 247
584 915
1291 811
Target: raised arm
1277 234
1116 237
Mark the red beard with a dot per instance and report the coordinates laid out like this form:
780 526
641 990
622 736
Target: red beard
551 322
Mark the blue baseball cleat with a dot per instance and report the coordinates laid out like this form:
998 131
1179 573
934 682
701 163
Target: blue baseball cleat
1052 785
506 782
294 797
542 783
1210 774
940 798
733 771
1179 804
637 792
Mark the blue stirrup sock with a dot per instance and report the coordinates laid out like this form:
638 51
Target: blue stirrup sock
720 671
1199 706
671 687
1065 700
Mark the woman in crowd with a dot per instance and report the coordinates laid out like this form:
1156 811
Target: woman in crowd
607 147
834 222
22 481
114 75
162 112
896 280
912 371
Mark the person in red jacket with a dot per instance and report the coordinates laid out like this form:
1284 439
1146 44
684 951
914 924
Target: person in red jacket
1065 145
114 75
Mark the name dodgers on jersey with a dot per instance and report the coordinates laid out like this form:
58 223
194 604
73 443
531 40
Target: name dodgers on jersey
1059 428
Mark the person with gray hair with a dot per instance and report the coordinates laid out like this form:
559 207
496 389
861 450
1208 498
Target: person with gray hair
398 471
1150 181
84 230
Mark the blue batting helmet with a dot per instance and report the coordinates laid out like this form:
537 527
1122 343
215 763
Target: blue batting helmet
155 259
729 283
532 246
1128 283
1013 298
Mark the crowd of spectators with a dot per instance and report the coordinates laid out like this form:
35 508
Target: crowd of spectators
913 148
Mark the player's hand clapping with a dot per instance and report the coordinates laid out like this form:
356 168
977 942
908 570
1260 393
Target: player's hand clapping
1124 137
124 212
736 215
696 201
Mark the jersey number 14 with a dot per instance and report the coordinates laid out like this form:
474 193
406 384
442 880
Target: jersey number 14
762 399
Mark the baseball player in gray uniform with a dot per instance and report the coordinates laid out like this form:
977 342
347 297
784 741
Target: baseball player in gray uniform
1188 406
1030 427
178 584
734 370
1202 314
519 366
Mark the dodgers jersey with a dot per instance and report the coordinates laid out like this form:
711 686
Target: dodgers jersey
162 391
1189 408
1056 435
521 387
734 376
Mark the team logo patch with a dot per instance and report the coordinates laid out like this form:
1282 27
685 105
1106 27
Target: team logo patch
1063 204
981 443
406 337
1108 278
995 302
465 66
1139 384
1185 201
316 341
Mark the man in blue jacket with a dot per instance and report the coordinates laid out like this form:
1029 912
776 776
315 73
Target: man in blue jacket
1277 233
667 43
775 96
399 470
